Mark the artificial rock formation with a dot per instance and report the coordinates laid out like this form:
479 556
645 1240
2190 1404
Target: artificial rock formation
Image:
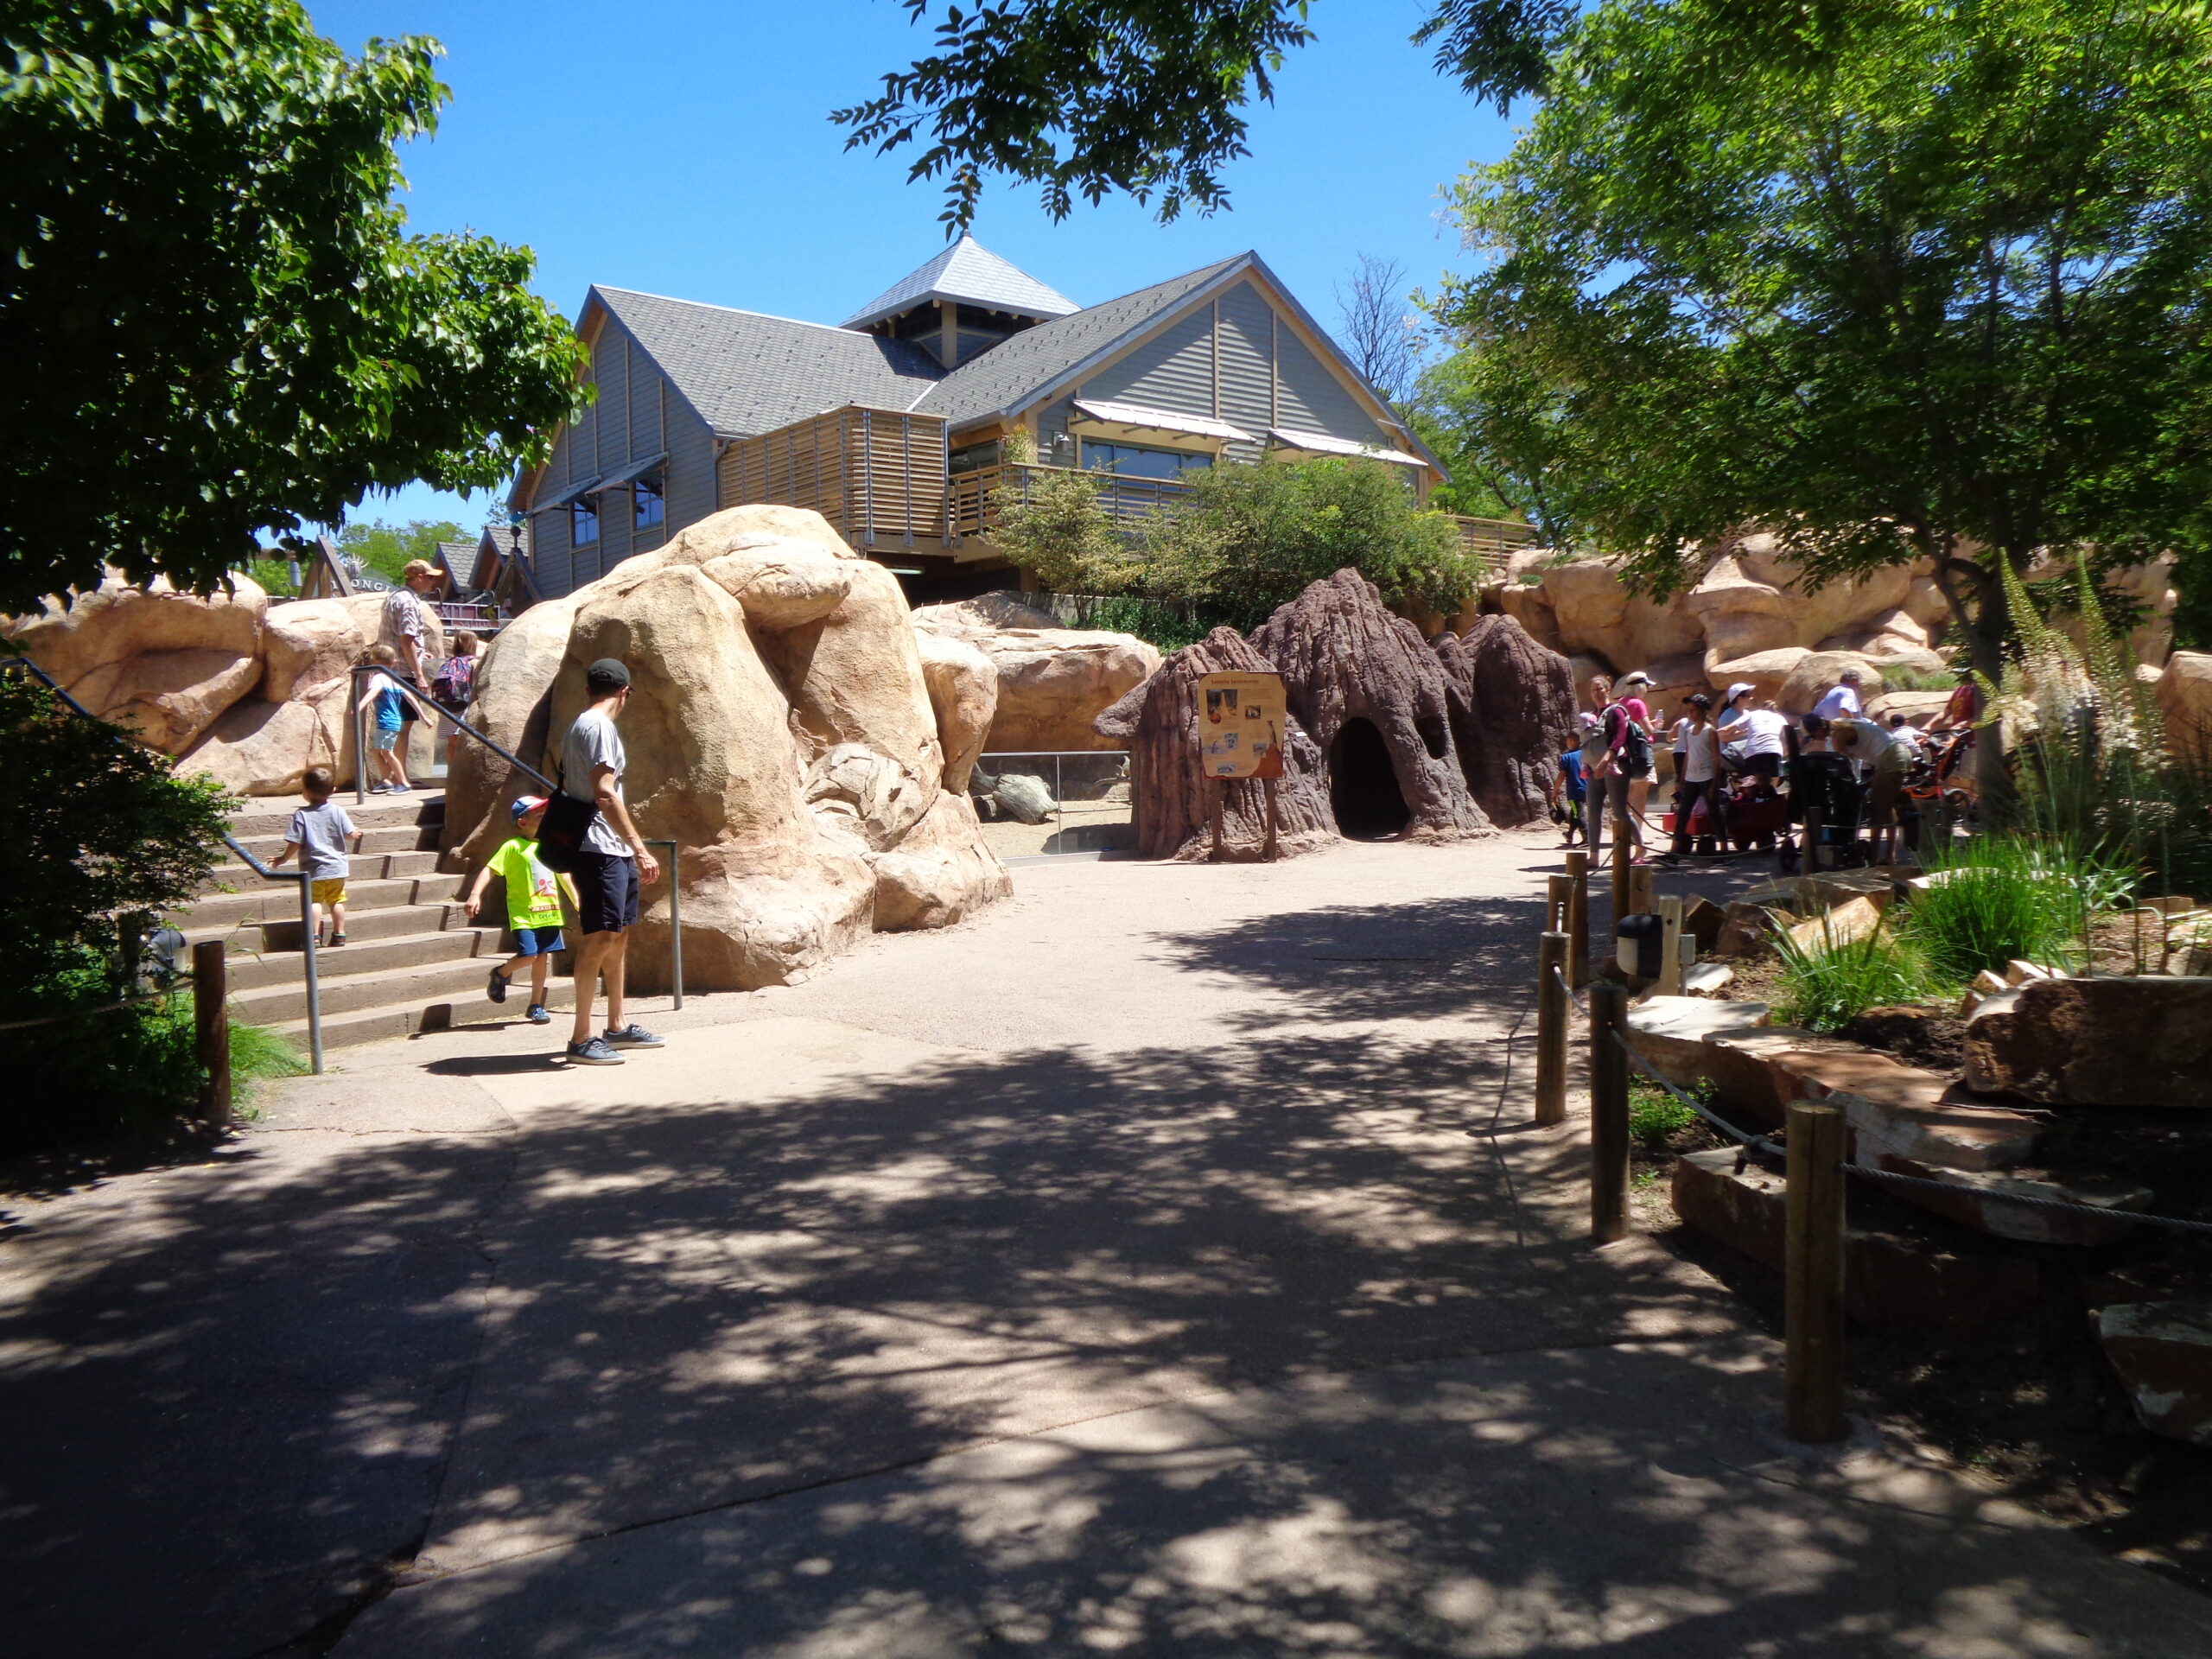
1512 711
1751 616
1053 682
1372 694
1172 799
2185 699
782 728
164 664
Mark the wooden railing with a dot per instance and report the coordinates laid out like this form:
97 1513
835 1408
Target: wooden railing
970 505
1494 539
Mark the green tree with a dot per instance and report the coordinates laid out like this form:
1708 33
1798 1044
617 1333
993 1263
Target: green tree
1059 530
220 327
1141 97
387 549
1903 278
1502 446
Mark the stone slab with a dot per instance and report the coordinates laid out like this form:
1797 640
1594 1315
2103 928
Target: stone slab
2163 1352
1977 1204
1670 1032
1908 1112
1854 919
1886 1281
2103 1041
1742 1065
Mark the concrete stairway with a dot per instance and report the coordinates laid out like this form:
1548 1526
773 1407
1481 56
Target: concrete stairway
413 961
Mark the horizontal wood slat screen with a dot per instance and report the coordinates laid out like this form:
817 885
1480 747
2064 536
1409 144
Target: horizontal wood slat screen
877 474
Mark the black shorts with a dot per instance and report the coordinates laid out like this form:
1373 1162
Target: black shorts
1760 765
607 891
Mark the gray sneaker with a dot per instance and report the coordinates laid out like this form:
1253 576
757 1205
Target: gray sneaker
632 1036
593 1052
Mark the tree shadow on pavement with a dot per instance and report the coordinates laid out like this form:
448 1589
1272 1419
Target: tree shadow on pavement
247 1380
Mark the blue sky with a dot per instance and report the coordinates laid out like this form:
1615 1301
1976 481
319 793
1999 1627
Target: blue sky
682 147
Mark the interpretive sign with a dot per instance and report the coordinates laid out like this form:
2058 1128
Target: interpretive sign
1241 721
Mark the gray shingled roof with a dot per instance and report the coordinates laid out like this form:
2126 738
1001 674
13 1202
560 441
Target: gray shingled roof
969 272
747 373
1013 369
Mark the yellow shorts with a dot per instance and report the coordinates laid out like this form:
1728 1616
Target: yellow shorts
329 892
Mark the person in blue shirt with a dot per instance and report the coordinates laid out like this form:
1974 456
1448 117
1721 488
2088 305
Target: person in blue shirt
1569 796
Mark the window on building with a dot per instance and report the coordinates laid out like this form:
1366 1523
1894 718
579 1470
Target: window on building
583 522
648 506
974 457
1134 461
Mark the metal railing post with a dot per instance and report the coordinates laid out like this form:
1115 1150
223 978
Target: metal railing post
674 920
308 947
360 736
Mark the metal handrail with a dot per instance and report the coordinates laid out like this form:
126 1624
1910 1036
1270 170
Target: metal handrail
308 947
433 713
306 900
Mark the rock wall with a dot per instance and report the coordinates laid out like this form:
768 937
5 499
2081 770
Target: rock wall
1170 797
786 728
1751 616
1053 682
245 691
1372 693
2185 699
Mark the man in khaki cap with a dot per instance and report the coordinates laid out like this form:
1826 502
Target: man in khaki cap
405 624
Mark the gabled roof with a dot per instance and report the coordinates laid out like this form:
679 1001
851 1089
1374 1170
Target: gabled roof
745 372
1003 377
971 274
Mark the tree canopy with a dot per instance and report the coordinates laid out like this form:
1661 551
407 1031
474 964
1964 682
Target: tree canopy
221 329
1141 97
1899 278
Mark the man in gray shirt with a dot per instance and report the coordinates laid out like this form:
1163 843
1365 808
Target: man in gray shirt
610 866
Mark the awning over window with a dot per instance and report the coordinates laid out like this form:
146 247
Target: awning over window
622 477
1161 420
569 498
1321 443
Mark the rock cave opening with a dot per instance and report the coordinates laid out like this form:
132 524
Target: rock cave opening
1364 791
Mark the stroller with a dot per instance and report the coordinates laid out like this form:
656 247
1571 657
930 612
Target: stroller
1824 788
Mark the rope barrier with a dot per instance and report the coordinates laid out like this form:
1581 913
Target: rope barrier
104 1007
1761 1143
1489 1131
1580 1004
1892 1178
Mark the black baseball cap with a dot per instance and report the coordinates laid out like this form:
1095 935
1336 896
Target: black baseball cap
606 675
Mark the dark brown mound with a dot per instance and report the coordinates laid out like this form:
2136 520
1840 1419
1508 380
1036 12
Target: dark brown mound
1359 678
1171 798
1512 711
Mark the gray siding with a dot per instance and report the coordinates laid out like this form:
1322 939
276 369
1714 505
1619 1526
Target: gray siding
1173 370
1310 398
690 448
1246 366
1052 422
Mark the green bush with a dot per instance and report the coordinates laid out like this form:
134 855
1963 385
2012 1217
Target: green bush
1655 1117
1996 898
1824 985
1171 627
1918 679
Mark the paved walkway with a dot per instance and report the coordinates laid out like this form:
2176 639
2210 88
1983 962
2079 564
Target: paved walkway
1115 1274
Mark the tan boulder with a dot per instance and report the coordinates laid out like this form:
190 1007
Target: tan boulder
512 706
1918 707
1812 674
1672 679
782 582
940 872
162 663
313 641
1053 682
1519 594
964 695
2185 699
1740 616
1832 608
1597 616
260 747
1766 671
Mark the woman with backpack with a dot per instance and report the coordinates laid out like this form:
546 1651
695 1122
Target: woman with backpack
1628 744
1596 764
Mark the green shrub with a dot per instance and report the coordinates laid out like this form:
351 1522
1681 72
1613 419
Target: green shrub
1918 679
1826 985
1171 627
1997 898
1655 1117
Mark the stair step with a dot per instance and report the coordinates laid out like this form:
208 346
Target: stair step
378 838
437 982
272 815
371 867
359 955
389 922
280 900
404 1019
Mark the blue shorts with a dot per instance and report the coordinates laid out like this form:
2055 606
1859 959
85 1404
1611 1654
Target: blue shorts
537 941
384 737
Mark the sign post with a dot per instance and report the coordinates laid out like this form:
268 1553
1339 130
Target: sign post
1242 718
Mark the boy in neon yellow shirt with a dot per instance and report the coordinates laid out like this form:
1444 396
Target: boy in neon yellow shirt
533 907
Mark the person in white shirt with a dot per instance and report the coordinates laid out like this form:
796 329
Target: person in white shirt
1840 701
1700 775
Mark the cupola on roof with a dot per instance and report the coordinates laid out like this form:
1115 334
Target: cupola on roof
967 273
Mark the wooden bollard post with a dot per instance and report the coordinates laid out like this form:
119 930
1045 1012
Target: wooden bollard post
211 1018
1623 883
1578 917
1671 946
1554 1011
1640 901
1813 1269
1608 1112
1559 904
